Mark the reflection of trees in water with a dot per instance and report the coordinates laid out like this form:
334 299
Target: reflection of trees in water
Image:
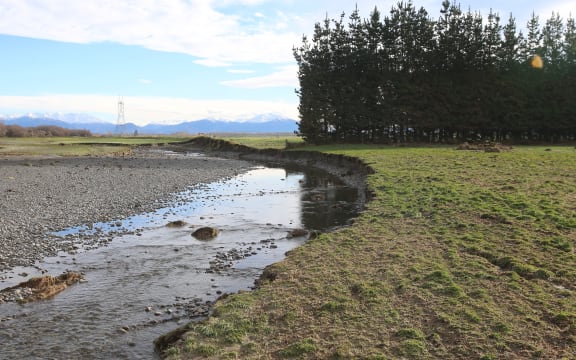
326 202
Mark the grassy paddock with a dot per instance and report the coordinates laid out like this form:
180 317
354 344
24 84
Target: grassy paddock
461 255
264 141
76 146
100 146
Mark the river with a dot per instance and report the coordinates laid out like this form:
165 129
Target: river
150 278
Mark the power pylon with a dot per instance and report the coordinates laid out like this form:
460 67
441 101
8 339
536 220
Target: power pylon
121 121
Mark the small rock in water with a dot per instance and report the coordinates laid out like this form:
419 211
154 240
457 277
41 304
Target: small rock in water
297 233
205 233
177 223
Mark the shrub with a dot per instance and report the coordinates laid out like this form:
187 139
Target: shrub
16 131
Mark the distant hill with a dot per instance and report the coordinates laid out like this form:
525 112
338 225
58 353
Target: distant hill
278 125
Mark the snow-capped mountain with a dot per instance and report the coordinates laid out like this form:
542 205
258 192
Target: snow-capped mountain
66 117
259 124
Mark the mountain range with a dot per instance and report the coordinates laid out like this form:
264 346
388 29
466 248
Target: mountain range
261 124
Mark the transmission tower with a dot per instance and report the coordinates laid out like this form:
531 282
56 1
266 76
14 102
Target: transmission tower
121 121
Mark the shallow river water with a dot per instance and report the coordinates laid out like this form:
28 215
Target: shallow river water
154 278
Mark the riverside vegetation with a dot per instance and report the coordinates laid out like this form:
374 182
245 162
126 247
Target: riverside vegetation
460 254
407 77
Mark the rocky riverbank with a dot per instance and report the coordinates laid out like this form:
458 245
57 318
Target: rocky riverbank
39 196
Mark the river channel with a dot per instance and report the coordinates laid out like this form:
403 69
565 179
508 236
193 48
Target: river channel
150 278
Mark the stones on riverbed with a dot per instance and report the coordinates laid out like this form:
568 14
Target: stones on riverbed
15 294
205 233
37 215
40 288
183 308
225 260
176 224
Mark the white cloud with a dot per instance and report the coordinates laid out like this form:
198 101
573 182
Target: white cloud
286 76
143 110
145 81
206 29
191 27
564 8
240 71
212 63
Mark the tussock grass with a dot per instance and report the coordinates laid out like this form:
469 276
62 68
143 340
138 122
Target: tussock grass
461 255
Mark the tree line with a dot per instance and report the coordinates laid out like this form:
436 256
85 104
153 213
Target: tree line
40 131
406 77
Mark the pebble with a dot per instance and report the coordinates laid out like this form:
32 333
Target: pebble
53 196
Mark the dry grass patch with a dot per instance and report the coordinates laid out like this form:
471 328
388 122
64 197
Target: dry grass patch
46 287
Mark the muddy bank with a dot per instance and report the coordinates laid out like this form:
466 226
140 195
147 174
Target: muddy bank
351 170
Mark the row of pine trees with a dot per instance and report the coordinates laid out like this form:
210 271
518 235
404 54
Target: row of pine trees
407 77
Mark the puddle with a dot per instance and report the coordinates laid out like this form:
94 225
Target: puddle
144 279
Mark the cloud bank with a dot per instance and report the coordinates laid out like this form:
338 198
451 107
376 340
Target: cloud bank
216 32
196 28
285 76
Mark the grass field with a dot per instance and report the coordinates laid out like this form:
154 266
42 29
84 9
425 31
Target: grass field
264 141
76 146
460 255
100 146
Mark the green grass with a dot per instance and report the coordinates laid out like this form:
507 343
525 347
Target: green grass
265 141
102 146
76 146
461 254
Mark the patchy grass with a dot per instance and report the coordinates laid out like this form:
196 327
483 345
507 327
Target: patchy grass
76 146
265 141
103 146
461 254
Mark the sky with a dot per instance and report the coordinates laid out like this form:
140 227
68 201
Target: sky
176 60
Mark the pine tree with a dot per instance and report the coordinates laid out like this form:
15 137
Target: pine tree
492 42
509 52
407 77
570 43
553 42
314 62
533 42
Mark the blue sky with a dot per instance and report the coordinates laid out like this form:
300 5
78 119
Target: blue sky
174 60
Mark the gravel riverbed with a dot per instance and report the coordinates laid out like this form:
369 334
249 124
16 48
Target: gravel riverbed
39 196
